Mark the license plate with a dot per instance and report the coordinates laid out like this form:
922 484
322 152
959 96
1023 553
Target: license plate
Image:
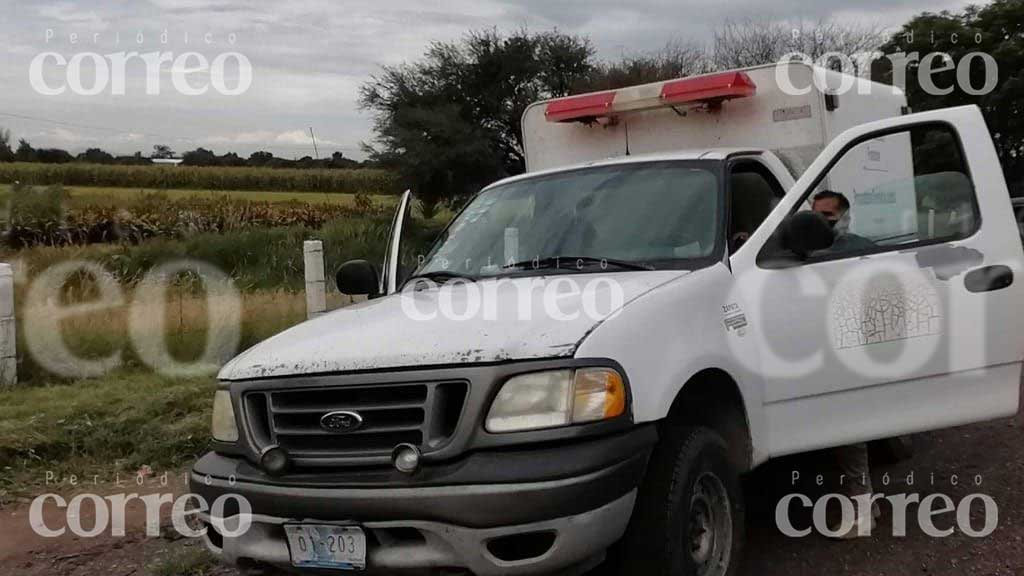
326 546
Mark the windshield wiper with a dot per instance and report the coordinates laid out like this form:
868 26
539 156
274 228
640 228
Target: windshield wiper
575 262
441 276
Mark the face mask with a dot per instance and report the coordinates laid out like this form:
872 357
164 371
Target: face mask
842 225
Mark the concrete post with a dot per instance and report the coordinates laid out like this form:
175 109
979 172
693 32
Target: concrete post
8 350
316 290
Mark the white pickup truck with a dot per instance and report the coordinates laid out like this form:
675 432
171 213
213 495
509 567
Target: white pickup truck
405 433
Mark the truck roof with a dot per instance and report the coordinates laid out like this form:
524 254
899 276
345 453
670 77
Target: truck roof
695 154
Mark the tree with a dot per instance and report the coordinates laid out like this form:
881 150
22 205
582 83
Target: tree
96 156
136 159
199 157
162 151
450 123
338 160
745 43
25 152
53 156
230 159
260 158
675 60
1000 28
6 154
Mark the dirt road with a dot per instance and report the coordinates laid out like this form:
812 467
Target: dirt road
991 451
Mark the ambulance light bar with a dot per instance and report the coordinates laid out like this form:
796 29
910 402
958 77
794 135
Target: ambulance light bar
710 90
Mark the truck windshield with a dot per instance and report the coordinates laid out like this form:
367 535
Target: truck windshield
646 214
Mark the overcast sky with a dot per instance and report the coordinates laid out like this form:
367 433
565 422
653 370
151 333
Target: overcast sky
309 57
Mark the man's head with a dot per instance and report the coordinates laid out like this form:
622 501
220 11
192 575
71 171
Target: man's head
832 205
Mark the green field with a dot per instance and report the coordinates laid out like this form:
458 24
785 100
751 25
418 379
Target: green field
367 181
82 195
132 417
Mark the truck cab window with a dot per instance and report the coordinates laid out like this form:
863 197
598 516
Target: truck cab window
754 192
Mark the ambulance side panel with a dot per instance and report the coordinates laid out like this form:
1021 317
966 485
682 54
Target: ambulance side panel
794 122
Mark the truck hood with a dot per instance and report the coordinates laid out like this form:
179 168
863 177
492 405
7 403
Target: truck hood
389 333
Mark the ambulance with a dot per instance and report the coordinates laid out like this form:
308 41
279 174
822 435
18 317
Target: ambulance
593 353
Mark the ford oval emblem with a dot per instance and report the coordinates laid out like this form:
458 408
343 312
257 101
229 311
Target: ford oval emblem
341 422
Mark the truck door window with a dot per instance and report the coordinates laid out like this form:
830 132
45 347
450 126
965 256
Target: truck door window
754 192
893 192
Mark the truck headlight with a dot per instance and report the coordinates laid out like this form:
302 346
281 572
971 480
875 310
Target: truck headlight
557 398
224 427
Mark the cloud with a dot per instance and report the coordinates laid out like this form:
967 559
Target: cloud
299 138
69 136
293 137
75 139
66 13
309 57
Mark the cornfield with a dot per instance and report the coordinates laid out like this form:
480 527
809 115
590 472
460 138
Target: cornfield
36 217
367 181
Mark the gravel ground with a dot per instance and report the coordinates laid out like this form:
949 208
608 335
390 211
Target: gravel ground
990 450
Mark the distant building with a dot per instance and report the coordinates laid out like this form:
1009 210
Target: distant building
170 161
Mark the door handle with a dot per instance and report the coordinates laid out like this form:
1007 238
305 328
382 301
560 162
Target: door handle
989 279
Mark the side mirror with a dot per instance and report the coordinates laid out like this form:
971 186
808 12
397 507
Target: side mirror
805 232
357 277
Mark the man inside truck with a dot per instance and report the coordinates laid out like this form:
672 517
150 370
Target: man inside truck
835 208
853 459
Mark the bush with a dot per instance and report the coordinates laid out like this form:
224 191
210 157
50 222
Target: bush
36 209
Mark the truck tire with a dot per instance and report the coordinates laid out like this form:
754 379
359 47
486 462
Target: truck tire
892 450
688 519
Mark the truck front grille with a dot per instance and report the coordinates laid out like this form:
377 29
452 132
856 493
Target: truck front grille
424 414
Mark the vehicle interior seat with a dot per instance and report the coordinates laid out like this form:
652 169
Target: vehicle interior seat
752 200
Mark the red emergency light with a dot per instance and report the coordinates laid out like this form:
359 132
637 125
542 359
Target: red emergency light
580 107
712 89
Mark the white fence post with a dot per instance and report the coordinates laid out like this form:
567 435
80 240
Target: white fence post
8 351
316 291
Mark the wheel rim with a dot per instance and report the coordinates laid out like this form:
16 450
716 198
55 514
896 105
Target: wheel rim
708 539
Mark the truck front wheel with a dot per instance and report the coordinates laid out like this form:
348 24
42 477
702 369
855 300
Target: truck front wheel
688 519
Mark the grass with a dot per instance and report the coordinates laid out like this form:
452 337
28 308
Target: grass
131 416
185 561
96 336
100 426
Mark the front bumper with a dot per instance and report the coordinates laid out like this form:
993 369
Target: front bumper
582 494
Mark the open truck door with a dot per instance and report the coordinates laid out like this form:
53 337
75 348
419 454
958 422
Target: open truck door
904 318
392 256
